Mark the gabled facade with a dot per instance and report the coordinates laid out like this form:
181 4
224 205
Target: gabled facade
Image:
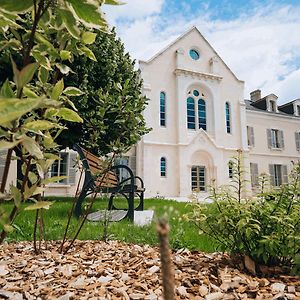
200 119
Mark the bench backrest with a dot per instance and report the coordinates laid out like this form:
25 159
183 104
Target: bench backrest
98 170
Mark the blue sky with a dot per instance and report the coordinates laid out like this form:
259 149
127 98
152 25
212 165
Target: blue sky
259 40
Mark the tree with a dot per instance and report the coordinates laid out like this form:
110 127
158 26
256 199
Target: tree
39 37
112 103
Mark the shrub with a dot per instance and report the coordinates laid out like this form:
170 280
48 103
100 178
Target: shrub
266 228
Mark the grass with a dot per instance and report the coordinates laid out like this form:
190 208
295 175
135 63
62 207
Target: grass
183 234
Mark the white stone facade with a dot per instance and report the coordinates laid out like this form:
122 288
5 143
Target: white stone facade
175 73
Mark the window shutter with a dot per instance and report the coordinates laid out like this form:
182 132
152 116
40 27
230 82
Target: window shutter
281 139
2 162
252 141
72 168
297 138
285 178
272 174
269 136
132 164
254 174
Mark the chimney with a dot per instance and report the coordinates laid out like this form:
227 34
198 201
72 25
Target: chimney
255 95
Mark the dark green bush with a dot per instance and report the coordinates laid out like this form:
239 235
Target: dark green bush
266 228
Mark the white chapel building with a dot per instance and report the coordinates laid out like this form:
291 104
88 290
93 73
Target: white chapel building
199 119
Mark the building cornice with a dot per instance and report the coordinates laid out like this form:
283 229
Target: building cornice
265 114
200 75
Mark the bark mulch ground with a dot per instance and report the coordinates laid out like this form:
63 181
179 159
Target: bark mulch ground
115 270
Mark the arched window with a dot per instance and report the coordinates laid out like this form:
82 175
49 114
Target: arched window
202 114
230 169
191 119
162 109
163 167
228 121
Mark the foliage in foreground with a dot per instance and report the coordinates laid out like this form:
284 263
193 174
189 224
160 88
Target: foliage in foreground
112 104
265 228
39 38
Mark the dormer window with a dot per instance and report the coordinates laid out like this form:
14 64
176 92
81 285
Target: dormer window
272 106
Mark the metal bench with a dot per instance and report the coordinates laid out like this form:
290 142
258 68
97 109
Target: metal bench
99 179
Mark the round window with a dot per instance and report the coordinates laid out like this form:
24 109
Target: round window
196 93
194 54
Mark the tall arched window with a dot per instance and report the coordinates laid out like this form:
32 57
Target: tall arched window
202 114
191 119
163 167
162 109
228 121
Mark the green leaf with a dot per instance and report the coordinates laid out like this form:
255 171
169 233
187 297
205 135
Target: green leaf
32 147
69 115
89 37
6 90
54 179
21 78
32 177
18 6
70 22
88 13
88 52
65 55
39 205
41 125
64 69
42 60
57 90
29 93
43 75
8 228
4 145
12 109
16 194
72 91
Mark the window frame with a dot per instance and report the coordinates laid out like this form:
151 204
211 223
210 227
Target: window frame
59 173
163 167
198 185
162 109
193 51
196 117
228 117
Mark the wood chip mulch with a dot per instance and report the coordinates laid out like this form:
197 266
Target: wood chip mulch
115 270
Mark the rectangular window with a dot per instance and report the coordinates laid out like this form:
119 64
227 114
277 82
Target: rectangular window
198 178
60 167
272 106
254 174
278 174
250 136
66 166
297 139
298 110
275 138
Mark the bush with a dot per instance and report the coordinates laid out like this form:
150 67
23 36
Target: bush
265 228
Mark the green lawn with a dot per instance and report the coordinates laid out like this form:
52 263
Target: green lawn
183 234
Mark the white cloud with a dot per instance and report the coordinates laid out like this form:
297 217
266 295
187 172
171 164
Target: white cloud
133 9
261 47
